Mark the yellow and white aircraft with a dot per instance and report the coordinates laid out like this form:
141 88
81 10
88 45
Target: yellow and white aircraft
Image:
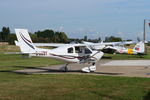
102 45
118 47
139 49
69 53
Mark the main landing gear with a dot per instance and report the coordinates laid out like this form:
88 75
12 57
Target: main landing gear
89 69
64 68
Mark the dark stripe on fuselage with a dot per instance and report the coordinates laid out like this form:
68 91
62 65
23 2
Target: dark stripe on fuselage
64 56
73 57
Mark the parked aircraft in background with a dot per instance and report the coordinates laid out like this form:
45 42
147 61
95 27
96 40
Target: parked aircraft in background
69 53
139 49
102 45
118 47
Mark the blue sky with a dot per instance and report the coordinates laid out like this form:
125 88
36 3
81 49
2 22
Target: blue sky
77 18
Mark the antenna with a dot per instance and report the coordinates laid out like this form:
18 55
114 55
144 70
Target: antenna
144 33
144 29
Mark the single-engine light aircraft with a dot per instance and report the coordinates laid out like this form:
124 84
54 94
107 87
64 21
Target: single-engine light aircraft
69 53
118 47
139 49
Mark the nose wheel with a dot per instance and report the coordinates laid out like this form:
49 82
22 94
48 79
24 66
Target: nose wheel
89 69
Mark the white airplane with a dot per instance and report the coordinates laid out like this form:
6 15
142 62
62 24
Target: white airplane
139 49
118 47
102 45
95 46
70 53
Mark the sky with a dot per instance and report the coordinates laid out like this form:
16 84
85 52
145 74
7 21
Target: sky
78 18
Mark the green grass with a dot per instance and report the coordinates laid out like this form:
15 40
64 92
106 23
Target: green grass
15 86
72 87
126 57
8 48
14 61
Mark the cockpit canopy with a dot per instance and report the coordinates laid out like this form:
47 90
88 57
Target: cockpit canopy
79 49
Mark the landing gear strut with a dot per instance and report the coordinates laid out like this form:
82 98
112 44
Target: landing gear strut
66 68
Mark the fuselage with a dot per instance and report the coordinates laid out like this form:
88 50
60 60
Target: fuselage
70 53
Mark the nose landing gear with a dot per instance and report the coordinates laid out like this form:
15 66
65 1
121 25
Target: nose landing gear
89 69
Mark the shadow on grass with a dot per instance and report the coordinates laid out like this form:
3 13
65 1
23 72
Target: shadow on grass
10 71
44 70
34 70
39 70
147 96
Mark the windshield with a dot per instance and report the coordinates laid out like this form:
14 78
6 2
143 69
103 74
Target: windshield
87 51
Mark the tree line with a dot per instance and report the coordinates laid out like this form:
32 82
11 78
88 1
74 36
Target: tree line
45 36
50 36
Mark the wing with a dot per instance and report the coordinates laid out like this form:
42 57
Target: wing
49 44
44 44
94 46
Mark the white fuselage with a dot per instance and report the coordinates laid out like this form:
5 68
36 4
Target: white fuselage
74 56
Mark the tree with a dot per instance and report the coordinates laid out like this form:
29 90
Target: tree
34 38
112 39
99 39
12 38
85 38
46 34
57 37
5 33
63 37
50 34
0 36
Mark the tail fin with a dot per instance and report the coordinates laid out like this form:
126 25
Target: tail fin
140 47
25 42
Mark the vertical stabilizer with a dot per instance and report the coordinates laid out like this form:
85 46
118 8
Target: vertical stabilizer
140 47
25 42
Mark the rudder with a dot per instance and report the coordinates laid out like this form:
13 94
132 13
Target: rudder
25 42
140 47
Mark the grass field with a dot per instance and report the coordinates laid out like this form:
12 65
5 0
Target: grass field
13 61
15 86
126 57
72 87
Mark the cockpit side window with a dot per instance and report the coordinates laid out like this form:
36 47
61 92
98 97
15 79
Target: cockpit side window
70 50
87 51
78 50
